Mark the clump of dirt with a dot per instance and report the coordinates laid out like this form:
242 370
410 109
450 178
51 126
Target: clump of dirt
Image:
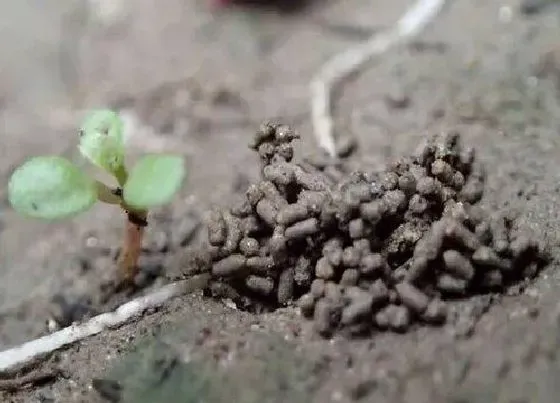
360 251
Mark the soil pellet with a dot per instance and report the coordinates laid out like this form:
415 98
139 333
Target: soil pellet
395 200
286 286
260 264
458 265
309 181
220 289
271 193
249 246
418 204
429 246
242 209
428 186
303 272
398 275
233 233
351 257
307 304
436 312
412 297
373 264
450 284
381 319
333 292
486 256
265 132
350 277
362 246
458 232
492 279
312 200
285 134
443 171
399 318
254 194
229 266
216 229
356 228
334 257
407 183
379 292
472 191
373 211
362 192
261 285
394 317
267 211
499 235
483 232
458 181
326 316
318 288
324 269
389 181
302 229
266 152
359 308
250 226
522 245
281 174
277 242
292 213
447 194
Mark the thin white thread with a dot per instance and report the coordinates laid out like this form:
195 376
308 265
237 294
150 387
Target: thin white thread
54 341
347 62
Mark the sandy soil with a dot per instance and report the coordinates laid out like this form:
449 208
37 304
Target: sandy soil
200 84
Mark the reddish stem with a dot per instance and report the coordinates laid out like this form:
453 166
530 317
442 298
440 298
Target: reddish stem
132 247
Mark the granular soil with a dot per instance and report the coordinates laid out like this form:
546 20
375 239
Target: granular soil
359 251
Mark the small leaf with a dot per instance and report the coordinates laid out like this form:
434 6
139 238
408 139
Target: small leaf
51 188
102 142
153 181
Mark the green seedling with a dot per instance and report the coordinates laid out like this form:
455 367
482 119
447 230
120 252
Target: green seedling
53 188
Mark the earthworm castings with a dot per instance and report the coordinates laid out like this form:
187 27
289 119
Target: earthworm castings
358 251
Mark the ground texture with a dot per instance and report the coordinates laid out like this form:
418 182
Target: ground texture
201 84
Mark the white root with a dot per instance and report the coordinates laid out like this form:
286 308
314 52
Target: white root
347 62
27 352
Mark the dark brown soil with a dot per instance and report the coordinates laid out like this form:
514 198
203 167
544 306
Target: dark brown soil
199 84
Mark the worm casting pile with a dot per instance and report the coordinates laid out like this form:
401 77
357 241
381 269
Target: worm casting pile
358 251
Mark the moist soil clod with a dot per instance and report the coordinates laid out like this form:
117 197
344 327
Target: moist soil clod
367 250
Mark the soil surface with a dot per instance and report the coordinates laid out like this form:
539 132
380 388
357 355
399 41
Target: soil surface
200 83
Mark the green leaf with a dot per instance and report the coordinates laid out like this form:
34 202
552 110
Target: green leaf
51 187
102 142
153 181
